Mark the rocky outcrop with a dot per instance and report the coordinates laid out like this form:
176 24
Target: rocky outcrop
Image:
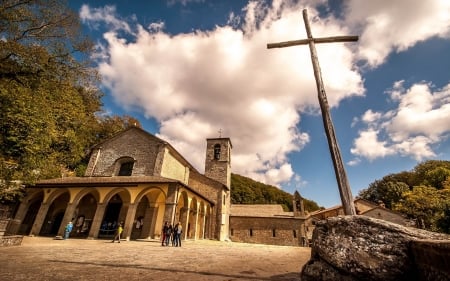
351 248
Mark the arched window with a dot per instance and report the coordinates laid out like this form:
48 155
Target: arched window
217 151
124 166
126 169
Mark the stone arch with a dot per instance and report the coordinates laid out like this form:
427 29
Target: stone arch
149 216
28 211
57 202
117 202
181 211
201 220
123 166
85 202
192 219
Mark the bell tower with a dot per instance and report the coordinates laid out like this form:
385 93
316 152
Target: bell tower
218 167
218 160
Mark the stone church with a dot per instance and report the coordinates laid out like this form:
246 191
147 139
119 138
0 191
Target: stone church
139 180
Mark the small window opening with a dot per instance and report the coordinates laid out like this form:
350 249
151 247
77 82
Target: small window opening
274 233
126 169
232 232
295 233
217 151
251 232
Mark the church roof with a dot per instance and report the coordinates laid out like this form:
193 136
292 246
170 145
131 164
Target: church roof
117 180
174 152
258 210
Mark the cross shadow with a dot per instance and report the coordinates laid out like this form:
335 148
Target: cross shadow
206 273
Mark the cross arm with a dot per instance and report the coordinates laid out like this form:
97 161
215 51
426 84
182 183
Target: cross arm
315 40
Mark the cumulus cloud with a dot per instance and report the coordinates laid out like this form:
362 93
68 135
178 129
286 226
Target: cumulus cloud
420 121
387 26
197 83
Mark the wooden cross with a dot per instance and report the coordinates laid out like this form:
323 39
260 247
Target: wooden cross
341 177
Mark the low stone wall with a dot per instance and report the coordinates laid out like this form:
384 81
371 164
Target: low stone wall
11 240
353 248
7 228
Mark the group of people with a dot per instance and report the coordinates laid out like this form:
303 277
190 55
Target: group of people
171 234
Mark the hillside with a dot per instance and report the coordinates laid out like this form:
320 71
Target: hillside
247 191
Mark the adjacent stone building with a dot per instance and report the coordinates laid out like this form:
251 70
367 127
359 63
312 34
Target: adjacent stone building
269 224
140 180
366 208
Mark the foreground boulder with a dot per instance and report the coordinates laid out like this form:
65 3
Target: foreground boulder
351 248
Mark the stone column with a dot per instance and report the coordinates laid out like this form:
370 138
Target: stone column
170 202
148 229
22 211
203 224
40 217
97 221
195 224
68 216
129 220
186 223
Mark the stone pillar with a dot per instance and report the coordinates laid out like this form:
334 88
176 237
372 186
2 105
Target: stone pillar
185 223
129 220
68 216
195 224
150 216
22 211
171 202
40 217
97 221
203 224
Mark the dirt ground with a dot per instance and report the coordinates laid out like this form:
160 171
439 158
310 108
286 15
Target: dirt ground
40 258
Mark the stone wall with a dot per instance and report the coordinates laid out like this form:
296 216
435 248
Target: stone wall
267 230
139 145
354 248
7 226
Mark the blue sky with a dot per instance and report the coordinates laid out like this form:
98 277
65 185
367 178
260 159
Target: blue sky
187 69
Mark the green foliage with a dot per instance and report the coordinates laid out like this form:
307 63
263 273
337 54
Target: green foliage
50 101
427 205
422 194
247 191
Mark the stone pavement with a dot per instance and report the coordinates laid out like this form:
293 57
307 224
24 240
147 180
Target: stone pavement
40 258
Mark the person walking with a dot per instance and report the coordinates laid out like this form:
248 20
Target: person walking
68 230
118 233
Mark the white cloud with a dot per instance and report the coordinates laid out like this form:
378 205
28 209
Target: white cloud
106 15
197 83
387 25
420 121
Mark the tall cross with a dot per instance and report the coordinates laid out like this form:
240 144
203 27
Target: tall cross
220 133
341 177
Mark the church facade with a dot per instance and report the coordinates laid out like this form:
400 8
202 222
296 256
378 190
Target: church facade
141 181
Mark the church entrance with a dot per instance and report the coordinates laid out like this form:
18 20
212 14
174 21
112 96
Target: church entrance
111 218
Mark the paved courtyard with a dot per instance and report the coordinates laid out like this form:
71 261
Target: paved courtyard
40 258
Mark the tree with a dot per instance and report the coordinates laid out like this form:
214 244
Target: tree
247 191
48 91
428 206
386 191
